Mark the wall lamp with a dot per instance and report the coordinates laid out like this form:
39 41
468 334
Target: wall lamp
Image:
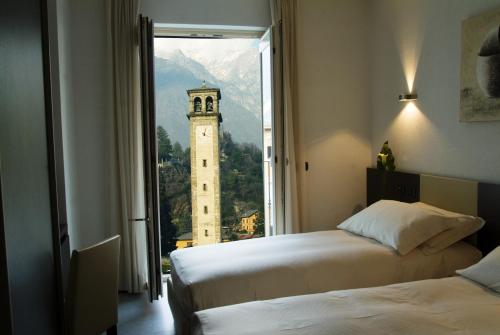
408 97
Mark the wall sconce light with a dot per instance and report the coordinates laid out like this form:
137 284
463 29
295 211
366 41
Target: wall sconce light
408 97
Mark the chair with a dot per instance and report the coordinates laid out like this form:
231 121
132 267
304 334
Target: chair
92 295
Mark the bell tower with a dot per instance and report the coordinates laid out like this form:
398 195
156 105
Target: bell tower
204 120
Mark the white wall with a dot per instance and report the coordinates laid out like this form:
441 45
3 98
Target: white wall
334 118
86 104
255 13
422 37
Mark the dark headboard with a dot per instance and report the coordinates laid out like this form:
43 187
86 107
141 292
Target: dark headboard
399 186
408 187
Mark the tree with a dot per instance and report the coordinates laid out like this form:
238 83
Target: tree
168 231
241 180
259 226
177 152
164 145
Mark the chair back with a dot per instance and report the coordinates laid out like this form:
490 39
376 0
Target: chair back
92 295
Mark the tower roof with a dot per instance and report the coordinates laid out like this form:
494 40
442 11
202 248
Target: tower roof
204 89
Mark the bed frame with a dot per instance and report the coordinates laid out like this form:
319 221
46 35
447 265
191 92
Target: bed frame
458 195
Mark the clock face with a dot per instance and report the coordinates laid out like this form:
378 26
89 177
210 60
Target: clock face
204 133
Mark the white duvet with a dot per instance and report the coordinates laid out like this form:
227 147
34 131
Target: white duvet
224 274
437 306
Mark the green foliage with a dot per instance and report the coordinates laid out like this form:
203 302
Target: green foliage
168 232
165 265
164 145
170 182
241 180
259 226
385 158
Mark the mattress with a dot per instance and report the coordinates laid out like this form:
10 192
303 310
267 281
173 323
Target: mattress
229 273
435 306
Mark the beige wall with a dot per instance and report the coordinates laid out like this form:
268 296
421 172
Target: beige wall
421 39
333 58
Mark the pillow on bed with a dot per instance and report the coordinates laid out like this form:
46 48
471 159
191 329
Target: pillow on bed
462 226
486 272
399 225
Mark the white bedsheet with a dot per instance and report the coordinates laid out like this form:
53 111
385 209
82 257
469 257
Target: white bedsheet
287 265
435 306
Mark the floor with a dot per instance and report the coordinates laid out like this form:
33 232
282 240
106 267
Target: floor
137 316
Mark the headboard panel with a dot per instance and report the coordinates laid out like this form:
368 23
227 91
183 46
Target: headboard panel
399 186
458 195
489 210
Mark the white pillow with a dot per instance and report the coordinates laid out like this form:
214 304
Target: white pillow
399 225
486 272
462 226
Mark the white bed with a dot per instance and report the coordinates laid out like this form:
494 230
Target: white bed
280 266
436 306
231 273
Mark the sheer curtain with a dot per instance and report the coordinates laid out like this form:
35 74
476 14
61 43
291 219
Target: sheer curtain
283 17
127 143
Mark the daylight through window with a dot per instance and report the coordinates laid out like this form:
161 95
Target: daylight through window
209 109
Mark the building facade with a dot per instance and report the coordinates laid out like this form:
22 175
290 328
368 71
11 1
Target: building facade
204 125
248 221
184 241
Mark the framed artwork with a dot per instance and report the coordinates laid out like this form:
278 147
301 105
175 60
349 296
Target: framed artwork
480 68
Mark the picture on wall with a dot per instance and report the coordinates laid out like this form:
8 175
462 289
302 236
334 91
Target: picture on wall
480 71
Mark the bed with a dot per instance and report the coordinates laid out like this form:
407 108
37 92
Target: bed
288 265
280 266
435 306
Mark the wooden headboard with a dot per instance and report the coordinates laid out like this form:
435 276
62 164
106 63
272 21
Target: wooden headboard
458 195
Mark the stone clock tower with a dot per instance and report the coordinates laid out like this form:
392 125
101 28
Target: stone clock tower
204 119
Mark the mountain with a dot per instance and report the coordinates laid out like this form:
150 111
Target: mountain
238 77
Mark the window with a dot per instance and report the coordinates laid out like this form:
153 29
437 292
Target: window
210 104
236 174
197 105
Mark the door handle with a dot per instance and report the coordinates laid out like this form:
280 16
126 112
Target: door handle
139 220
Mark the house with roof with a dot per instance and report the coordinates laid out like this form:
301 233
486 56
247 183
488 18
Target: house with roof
248 220
184 241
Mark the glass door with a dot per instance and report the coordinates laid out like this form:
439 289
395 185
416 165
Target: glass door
268 152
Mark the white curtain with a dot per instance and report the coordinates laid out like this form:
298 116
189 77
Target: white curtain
283 16
127 142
